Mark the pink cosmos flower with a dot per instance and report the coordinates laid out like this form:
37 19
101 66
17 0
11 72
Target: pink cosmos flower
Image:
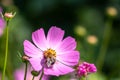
85 68
19 75
53 54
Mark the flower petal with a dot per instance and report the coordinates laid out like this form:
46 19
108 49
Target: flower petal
45 77
70 58
36 63
30 50
68 44
55 35
2 23
58 69
19 75
39 39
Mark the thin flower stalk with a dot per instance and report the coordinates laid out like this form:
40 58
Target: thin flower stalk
104 46
41 75
33 77
25 74
6 52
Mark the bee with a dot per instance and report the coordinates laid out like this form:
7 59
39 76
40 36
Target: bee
50 61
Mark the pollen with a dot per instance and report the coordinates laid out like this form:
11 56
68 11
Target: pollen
49 53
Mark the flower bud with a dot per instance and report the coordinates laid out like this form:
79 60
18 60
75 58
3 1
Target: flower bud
85 68
80 30
9 16
25 58
35 73
111 11
92 39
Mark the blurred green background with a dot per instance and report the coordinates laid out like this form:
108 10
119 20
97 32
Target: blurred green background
94 23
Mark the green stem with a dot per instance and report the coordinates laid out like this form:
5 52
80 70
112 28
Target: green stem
104 46
25 75
33 77
86 78
6 52
41 75
83 78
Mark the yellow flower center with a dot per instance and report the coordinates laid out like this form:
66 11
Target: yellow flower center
50 56
49 53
